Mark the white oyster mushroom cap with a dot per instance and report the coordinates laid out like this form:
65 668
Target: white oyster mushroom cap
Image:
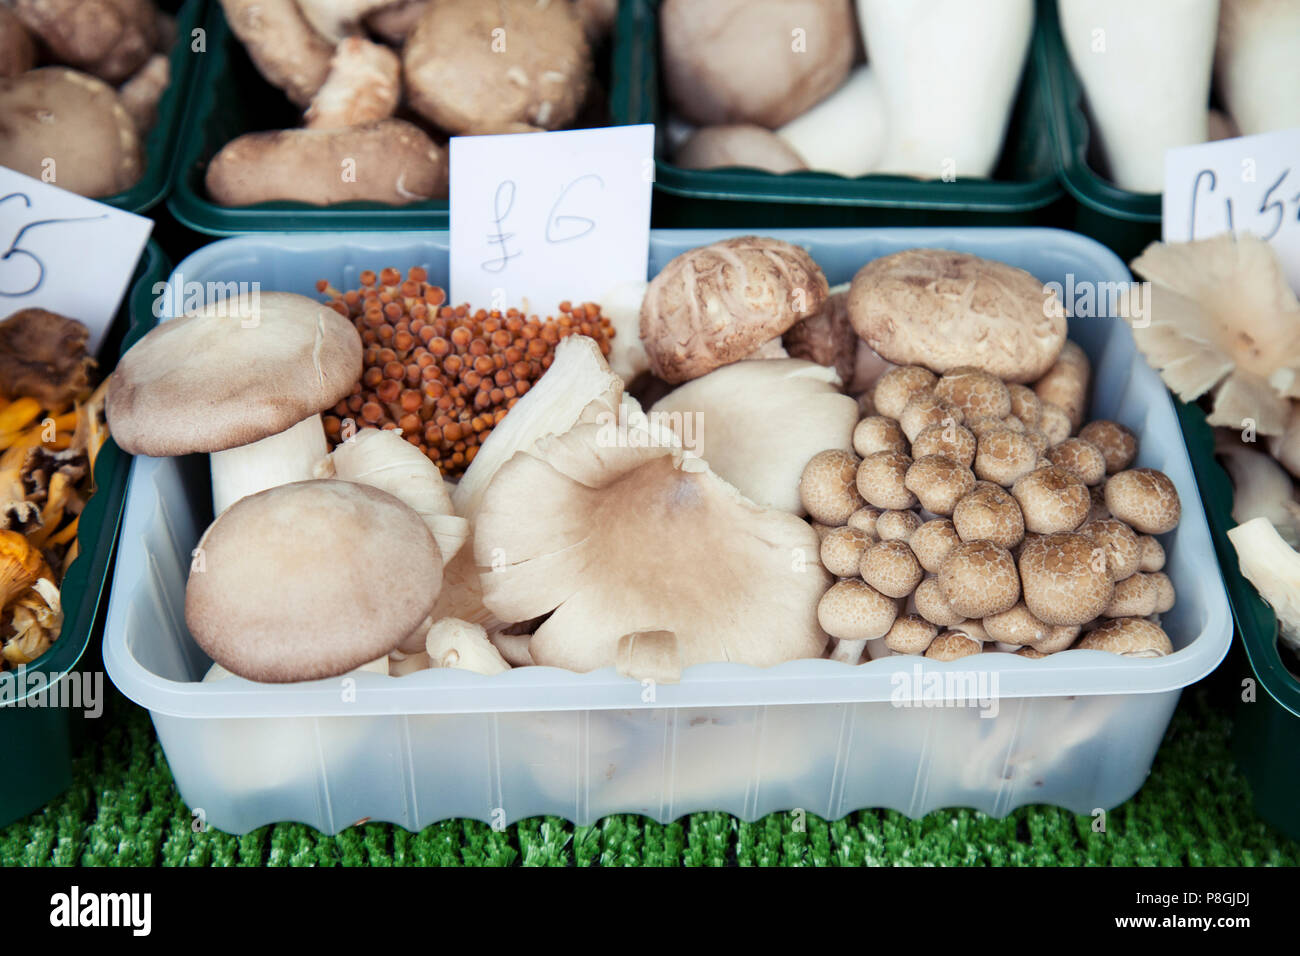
758 422
462 645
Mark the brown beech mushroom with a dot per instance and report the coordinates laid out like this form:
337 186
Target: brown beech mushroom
1116 442
951 440
762 420
70 129
109 39
882 481
391 161
1080 457
470 64
946 310
1025 405
989 513
891 568
925 411
842 549
978 578
910 634
1060 637
864 519
17 52
569 505
363 86
898 386
745 145
1164 588
938 483
853 613
283 46
1128 637
1144 499
828 487
975 392
1052 499
242 380
898 525
1066 578
1003 456
753 61
1054 422
719 303
953 645
333 614
1017 626
932 541
931 604
1120 543
1152 554
1066 384
1135 596
878 433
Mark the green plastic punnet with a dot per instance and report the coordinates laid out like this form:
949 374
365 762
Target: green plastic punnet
1022 192
1266 734
37 742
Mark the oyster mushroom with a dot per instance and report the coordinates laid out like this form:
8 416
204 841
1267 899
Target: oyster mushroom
762 420
464 646
1223 319
578 529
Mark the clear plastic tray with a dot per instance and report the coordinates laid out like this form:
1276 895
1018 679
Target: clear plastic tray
1078 729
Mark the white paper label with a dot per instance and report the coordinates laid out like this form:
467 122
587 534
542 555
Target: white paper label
1249 184
65 253
537 218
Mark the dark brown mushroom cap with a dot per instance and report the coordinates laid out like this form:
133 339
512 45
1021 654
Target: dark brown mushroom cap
311 580
205 382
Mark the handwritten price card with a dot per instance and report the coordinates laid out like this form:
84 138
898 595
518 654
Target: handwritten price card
1249 184
537 218
65 253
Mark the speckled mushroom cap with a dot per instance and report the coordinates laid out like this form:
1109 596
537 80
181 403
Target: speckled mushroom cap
718 303
842 550
230 374
1025 405
881 480
1066 578
1080 457
897 525
932 605
1123 550
979 578
878 433
1016 626
891 568
910 634
1128 637
1003 456
938 483
946 309
1145 499
1116 442
975 392
828 486
898 386
1054 422
855 611
288 588
953 645
952 441
1052 499
75 120
1135 596
932 541
926 409
989 513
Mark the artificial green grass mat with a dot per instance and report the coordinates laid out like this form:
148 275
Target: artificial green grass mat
122 809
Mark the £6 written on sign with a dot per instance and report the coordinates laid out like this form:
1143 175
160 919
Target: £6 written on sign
65 253
1248 184
537 218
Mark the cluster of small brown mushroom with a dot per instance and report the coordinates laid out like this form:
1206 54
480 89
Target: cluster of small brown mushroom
971 516
444 375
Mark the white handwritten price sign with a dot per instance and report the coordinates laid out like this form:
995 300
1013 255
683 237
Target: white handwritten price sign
537 218
1249 184
65 253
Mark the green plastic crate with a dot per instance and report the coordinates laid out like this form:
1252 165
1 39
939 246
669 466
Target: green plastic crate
230 99
1266 735
1125 221
37 743
1023 191
161 144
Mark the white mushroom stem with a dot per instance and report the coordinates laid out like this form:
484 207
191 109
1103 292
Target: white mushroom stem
848 652
460 644
277 460
877 649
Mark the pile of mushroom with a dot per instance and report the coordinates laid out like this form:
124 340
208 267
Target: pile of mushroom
1223 328
974 509
79 89
378 80
779 86
1147 71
